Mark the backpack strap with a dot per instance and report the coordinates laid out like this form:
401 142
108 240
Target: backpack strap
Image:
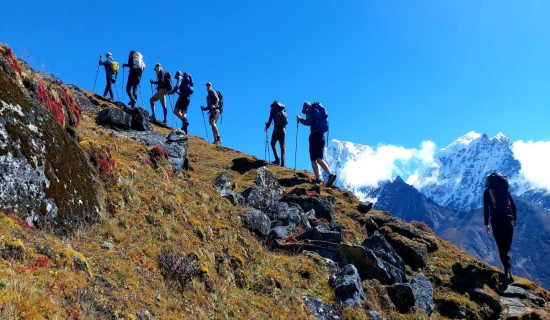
493 198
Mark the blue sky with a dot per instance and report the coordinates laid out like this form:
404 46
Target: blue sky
388 72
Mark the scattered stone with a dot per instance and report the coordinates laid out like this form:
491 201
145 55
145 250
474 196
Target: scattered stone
144 314
364 207
517 292
384 250
322 207
347 286
402 296
321 234
423 293
481 296
413 253
140 119
225 188
320 309
177 145
107 245
513 306
268 183
277 233
370 266
254 197
375 315
257 222
115 117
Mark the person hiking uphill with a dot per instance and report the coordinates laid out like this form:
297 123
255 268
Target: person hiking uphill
136 66
184 87
212 105
164 85
109 73
316 119
280 120
500 209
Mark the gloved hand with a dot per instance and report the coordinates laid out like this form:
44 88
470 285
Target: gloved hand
151 80
298 118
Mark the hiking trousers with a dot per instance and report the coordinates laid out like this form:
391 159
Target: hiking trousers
108 88
503 231
131 86
279 134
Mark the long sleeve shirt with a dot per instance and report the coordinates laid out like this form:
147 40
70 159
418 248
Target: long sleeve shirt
307 120
106 62
177 86
212 99
488 206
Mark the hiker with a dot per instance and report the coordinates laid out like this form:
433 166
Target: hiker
499 208
136 66
280 120
213 106
184 87
109 72
164 85
316 119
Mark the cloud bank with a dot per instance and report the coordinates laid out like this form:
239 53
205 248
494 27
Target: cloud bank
535 162
386 162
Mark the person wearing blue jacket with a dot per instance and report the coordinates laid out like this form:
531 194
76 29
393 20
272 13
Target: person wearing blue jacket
316 145
111 76
184 88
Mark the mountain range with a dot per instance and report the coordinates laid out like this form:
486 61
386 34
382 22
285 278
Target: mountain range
447 197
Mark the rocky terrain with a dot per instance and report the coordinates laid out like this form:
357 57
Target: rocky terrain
105 216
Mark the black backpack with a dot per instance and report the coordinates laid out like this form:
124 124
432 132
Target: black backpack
281 119
319 114
186 86
220 103
497 184
167 81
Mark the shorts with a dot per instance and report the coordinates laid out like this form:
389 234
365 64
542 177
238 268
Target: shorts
214 115
316 145
183 103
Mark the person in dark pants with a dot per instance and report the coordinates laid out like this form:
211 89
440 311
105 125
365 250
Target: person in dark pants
136 66
500 209
111 76
280 120
184 87
212 102
162 90
316 145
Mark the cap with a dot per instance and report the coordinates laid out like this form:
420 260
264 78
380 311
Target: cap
158 67
209 84
306 106
108 54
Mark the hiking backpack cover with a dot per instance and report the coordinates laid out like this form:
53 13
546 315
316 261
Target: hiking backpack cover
137 60
114 66
186 86
281 119
497 185
319 115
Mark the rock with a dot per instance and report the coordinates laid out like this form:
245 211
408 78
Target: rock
322 207
347 287
320 309
107 245
423 293
409 231
402 296
277 233
513 306
364 207
177 145
322 234
254 197
517 292
144 314
413 253
268 183
140 119
224 187
384 250
481 296
115 117
375 315
370 226
257 222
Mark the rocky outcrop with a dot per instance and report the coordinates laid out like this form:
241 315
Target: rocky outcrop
225 188
347 286
115 117
402 296
423 293
257 222
320 309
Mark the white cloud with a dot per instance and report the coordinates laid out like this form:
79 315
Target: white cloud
534 158
387 161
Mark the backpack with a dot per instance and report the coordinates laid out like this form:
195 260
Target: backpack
114 66
167 81
281 119
186 86
137 60
497 184
319 121
220 104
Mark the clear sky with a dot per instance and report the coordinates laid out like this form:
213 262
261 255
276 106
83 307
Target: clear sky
388 72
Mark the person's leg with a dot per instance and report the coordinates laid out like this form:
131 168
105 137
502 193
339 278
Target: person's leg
110 86
213 122
274 138
503 231
315 169
107 87
154 98
313 145
323 165
129 85
282 144
134 93
163 103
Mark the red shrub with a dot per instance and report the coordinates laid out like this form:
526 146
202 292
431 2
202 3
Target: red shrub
51 104
159 153
22 223
12 61
74 109
290 238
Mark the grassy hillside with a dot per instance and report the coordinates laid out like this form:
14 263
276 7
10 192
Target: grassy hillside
152 221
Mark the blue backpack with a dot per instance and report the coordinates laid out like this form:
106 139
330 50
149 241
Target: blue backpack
319 115
187 84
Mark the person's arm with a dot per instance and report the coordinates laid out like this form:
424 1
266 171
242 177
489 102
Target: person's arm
307 120
271 117
102 61
486 210
513 207
176 87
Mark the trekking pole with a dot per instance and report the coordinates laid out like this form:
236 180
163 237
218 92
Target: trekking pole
141 95
122 85
205 129
172 107
116 89
96 73
267 147
296 150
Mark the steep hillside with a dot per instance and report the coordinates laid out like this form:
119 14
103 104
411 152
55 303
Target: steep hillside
178 239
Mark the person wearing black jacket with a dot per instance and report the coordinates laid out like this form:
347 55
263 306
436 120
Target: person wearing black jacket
162 90
212 106
134 77
184 90
280 120
499 208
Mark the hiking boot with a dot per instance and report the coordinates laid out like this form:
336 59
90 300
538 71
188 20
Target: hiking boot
154 119
282 163
276 162
164 122
316 181
218 140
510 277
330 181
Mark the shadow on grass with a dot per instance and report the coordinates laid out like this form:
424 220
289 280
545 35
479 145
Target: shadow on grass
243 165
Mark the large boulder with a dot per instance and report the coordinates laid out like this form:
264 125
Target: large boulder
140 119
115 117
347 287
322 207
266 192
414 253
320 309
384 250
257 222
322 234
402 296
177 145
370 265
277 233
224 187
423 293
45 177
483 297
